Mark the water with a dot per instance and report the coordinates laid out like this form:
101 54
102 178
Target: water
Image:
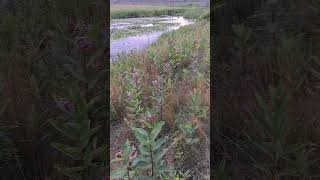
142 41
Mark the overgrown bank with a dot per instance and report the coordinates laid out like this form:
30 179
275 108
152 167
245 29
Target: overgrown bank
135 11
169 83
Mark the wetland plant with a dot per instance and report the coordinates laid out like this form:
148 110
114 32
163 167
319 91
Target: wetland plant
147 162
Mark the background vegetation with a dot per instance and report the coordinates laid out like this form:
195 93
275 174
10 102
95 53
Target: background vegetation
267 101
135 11
53 90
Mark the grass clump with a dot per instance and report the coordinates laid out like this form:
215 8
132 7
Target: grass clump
196 12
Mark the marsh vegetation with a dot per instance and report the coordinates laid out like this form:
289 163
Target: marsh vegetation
160 107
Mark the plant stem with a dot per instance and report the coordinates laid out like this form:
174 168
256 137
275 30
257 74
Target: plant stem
128 174
151 160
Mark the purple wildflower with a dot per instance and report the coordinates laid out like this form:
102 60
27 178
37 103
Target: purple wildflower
134 153
119 154
150 118
156 84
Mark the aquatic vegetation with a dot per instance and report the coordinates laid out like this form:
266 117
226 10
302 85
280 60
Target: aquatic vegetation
137 29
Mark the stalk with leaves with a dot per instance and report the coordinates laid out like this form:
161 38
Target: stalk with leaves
82 148
149 163
272 119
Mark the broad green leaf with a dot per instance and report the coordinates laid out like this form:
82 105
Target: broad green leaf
72 152
98 153
143 165
74 172
164 169
160 154
156 130
91 133
149 125
118 174
141 162
63 130
140 134
144 150
126 151
158 143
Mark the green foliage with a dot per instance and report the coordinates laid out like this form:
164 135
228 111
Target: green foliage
125 170
197 108
150 157
151 149
242 38
188 132
197 13
79 133
118 12
168 67
134 95
273 121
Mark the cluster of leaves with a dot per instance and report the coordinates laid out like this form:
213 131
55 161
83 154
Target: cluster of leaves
78 129
134 94
188 133
272 120
197 108
150 157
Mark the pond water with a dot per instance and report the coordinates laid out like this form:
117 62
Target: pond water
138 33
